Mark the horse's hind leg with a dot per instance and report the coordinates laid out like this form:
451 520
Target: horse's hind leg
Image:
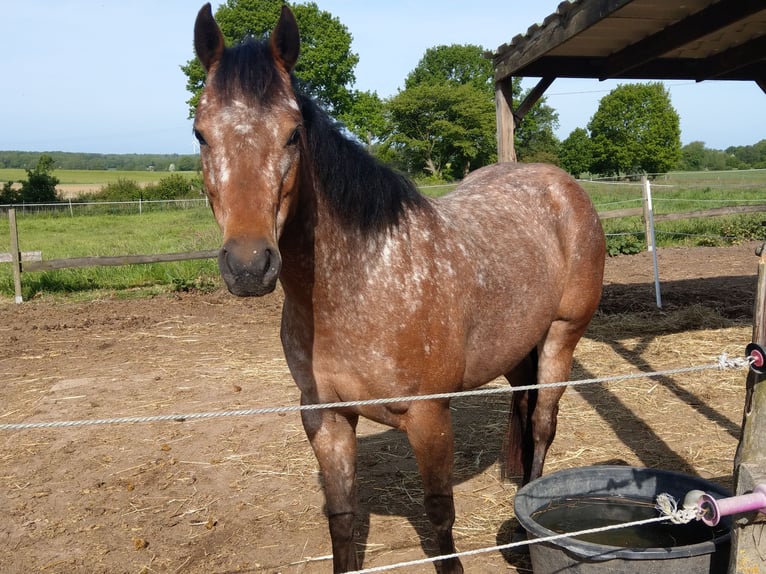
429 430
554 365
333 438
518 448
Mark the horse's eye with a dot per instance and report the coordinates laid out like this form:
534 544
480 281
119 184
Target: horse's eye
200 137
294 138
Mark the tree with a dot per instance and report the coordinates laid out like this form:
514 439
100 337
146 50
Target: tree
325 69
693 156
442 129
575 153
365 117
9 194
534 138
443 122
635 129
749 156
457 64
40 185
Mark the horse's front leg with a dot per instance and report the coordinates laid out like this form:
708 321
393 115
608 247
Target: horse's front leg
429 430
333 438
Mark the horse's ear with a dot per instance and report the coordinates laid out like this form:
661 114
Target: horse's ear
286 40
208 39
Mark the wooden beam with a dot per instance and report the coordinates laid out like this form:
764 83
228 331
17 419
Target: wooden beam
24 256
692 27
99 261
734 58
506 123
511 58
660 69
532 98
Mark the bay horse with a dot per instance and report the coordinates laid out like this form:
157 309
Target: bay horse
388 293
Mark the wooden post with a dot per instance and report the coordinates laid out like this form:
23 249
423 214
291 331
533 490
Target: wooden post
748 534
15 255
505 120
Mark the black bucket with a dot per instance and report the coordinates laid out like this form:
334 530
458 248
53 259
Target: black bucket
709 555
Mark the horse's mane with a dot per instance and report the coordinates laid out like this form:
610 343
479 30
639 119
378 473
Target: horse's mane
363 193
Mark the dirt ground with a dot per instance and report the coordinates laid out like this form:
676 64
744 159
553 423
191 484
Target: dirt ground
241 494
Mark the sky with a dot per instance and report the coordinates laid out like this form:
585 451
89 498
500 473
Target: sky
104 76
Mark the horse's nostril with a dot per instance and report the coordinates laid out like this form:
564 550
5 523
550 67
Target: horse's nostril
223 259
268 260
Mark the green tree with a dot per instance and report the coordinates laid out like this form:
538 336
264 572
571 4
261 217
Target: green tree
575 153
534 138
444 119
40 185
443 122
696 157
749 156
693 156
9 194
442 129
635 130
457 64
365 117
325 68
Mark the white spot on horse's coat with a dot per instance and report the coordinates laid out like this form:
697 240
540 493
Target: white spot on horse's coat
224 170
293 104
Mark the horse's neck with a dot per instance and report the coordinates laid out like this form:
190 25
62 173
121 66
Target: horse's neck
317 249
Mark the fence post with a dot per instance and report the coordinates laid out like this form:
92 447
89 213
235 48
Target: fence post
15 255
748 533
651 243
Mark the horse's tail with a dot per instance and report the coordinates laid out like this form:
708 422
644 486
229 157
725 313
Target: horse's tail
518 446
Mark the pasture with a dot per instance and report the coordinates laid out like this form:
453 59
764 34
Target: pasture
75 182
90 230
92 176
241 494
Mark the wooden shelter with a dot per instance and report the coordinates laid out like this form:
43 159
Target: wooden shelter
657 40
632 40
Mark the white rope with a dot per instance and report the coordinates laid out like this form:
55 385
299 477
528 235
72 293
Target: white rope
666 504
724 362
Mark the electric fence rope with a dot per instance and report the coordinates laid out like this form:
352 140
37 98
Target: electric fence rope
724 362
666 505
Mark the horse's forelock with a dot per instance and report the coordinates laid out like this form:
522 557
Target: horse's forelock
248 69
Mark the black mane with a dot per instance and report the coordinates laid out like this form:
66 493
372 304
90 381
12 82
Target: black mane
364 194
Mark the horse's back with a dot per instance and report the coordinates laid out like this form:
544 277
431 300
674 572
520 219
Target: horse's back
535 186
527 207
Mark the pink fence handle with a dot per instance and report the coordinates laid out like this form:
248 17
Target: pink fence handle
713 510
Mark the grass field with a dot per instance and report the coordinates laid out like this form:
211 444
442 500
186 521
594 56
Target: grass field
73 234
91 177
152 232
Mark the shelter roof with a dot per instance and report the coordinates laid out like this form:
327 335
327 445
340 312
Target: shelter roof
642 39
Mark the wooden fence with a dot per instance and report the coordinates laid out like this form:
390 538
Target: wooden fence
32 261
26 261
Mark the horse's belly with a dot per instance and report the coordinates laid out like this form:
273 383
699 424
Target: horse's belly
494 350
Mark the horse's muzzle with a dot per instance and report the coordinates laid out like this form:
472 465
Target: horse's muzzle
249 268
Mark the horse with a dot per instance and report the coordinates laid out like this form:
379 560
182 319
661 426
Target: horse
388 293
